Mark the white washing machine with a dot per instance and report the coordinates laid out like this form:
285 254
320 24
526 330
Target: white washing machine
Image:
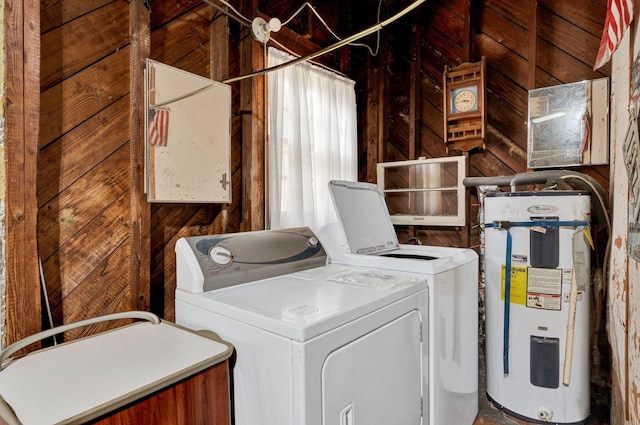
316 343
366 237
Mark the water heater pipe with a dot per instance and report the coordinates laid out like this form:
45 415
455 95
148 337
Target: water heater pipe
552 177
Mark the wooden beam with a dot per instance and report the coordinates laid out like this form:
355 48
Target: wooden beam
372 118
219 71
465 232
470 6
252 108
533 44
219 45
383 68
140 211
414 90
467 32
414 105
22 103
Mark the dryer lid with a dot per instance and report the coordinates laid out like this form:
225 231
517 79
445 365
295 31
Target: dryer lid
363 216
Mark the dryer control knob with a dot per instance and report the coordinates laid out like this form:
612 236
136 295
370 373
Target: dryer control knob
221 256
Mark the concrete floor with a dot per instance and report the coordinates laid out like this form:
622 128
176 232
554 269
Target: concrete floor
488 414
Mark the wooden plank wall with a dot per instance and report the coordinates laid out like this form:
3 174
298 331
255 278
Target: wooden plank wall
97 237
527 44
103 248
84 211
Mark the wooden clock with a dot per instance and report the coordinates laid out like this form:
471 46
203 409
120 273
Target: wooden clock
464 107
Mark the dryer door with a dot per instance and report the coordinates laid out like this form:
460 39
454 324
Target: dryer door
376 379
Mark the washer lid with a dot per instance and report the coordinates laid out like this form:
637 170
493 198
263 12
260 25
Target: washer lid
363 216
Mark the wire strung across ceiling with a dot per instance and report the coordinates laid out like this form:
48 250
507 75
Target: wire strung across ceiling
325 50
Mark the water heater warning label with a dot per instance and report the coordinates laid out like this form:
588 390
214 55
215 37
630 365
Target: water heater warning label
517 286
534 287
544 288
543 301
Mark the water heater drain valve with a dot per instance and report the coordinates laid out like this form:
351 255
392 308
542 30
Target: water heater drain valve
545 414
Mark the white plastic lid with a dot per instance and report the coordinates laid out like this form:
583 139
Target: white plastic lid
363 216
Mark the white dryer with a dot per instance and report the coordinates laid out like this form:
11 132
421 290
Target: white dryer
316 343
366 237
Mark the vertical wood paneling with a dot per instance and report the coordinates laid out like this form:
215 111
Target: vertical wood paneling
22 50
414 87
252 106
396 106
532 44
139 213
219 71
370 139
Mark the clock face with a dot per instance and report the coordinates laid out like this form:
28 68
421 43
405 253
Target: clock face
464 99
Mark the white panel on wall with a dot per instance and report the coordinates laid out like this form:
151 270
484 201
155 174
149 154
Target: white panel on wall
624 274
188 136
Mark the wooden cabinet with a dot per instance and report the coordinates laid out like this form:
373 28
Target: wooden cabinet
201 399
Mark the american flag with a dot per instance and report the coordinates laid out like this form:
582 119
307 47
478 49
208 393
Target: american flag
158 126
619 16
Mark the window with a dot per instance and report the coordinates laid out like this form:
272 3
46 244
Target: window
312 139
428 192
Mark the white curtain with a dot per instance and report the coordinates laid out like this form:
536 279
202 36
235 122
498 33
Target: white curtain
312 139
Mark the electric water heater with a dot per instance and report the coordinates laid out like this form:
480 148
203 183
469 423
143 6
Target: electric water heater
537 269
